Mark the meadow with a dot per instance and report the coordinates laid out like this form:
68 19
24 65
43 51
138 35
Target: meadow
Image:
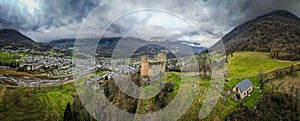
247 64
6 57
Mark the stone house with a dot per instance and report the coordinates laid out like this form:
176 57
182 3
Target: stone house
243 88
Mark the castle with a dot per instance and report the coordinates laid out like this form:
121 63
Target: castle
153 69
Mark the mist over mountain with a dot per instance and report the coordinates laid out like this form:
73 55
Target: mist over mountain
13 39
277 32
106 46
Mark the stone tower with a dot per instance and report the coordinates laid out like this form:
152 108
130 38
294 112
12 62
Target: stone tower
144 66
162 57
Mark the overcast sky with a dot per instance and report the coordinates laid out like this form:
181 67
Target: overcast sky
46 20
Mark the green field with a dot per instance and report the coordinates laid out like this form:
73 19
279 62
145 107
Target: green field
6 57
221 109
241 66
247 64
34 103
10 57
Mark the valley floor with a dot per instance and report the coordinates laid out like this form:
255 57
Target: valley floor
49 103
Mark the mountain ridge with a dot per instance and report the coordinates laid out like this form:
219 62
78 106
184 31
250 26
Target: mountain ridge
15 39
277 32
107 45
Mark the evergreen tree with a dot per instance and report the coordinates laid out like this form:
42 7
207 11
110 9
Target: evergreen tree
68 113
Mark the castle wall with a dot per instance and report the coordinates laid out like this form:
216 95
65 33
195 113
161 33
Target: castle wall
153 68
156 68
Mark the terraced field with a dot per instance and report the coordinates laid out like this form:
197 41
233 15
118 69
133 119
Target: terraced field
38 103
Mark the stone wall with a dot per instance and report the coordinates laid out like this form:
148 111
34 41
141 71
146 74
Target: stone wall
156 68
276 73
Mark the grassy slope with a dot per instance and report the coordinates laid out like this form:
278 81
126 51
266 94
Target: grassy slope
6 57
245 64
10 57
35 103
145 106
193 111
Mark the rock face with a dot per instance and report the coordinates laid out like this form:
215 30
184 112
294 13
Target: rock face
277 32
160 99
127 103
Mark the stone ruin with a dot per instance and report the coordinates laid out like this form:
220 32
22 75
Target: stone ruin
153 70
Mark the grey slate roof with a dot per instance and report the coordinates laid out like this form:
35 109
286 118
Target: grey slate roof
243 85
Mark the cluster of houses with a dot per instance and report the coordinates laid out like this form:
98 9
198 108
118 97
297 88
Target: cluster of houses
36 62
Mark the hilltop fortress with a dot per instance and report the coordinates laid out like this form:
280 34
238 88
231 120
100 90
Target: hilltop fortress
153 68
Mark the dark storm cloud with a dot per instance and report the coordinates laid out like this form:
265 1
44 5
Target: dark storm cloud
56 19
47 13
230 13
43 15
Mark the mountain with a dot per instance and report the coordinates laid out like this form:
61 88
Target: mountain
63 43
277 32
13 39
107 46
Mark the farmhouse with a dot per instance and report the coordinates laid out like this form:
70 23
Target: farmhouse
243 88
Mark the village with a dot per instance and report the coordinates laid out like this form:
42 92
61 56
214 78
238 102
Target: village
53 70
60 70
